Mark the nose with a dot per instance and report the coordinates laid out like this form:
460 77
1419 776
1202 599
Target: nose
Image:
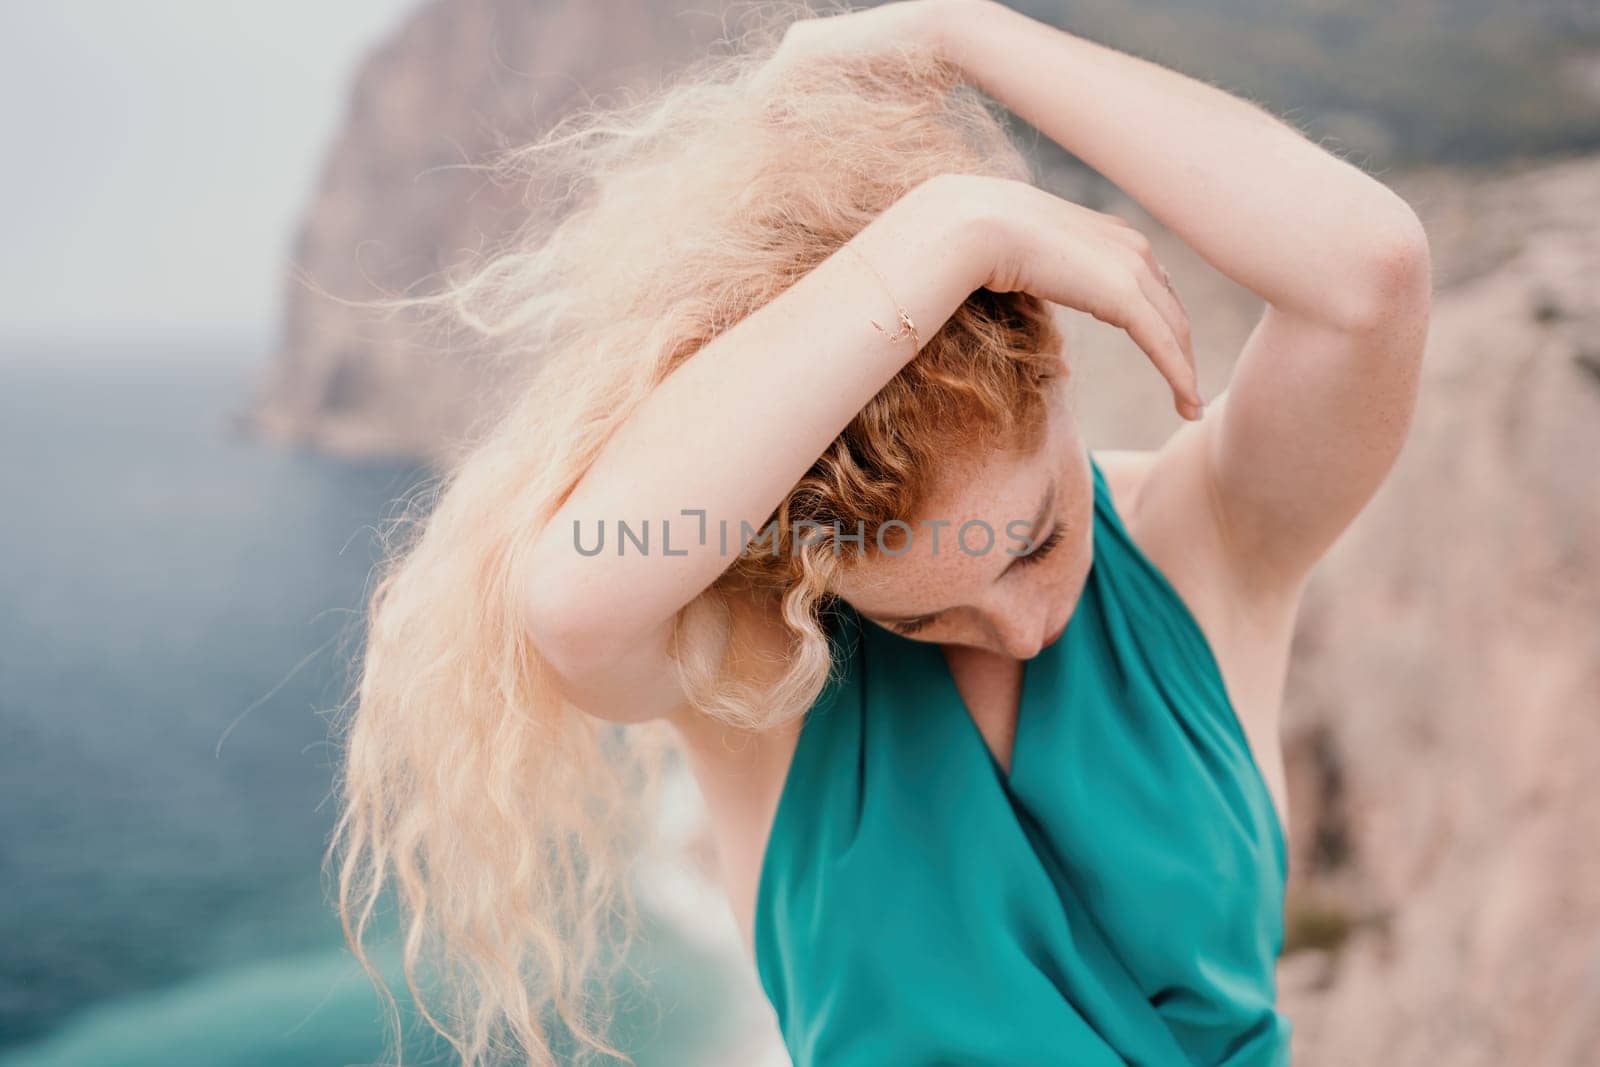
1020 629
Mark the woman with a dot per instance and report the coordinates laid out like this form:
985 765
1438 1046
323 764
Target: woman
1012 798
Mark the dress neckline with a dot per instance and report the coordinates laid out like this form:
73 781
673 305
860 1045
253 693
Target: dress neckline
1033 668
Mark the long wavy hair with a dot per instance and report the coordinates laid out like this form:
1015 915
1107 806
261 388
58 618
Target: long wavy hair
505 821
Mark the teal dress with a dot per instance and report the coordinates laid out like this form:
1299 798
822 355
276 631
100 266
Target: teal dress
1116 898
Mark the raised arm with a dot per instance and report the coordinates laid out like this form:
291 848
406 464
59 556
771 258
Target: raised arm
730 433
1322 394
732 430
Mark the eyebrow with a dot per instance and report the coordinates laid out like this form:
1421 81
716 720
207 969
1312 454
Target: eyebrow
1045 504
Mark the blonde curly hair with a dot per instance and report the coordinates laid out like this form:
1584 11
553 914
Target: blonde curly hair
506 821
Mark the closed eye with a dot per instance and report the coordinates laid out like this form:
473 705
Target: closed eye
1045 547
911 626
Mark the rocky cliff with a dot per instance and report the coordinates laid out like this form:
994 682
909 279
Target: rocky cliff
405 194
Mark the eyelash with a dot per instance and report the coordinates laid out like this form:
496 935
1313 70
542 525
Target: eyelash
1045 547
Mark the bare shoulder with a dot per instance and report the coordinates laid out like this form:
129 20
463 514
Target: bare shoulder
1125 469
1168 501
1161 499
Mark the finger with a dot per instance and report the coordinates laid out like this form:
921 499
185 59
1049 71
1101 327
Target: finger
1158 289
1133 312
1113 221
1155 280
1156 284
1186 338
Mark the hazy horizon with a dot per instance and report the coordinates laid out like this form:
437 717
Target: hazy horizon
166 152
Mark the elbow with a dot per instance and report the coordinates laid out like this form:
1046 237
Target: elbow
576 652
603 670
580 629
1394 276
552 613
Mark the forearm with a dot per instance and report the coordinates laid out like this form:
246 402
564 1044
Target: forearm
734 428
1309 233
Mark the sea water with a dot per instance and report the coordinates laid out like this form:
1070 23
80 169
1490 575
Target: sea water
172 595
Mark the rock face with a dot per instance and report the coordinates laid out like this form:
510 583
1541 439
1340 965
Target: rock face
1448 663
398 203
1443 703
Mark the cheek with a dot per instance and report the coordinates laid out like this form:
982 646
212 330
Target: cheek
1065 574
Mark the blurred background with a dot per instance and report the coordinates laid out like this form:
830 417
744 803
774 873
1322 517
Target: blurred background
198 447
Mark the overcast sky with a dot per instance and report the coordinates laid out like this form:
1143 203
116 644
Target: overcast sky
156 154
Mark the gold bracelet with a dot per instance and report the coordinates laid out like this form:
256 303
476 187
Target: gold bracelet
906 327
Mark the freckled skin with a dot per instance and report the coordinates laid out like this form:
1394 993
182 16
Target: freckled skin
1014 614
